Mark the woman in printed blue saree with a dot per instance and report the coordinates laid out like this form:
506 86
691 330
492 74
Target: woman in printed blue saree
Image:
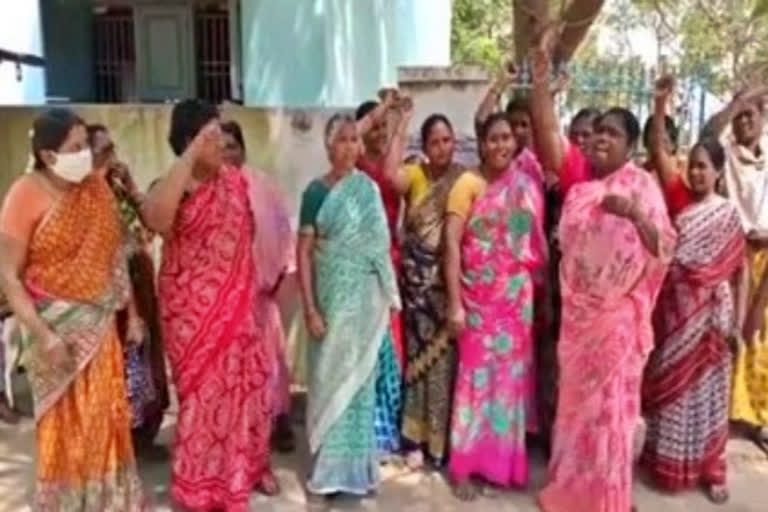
348 291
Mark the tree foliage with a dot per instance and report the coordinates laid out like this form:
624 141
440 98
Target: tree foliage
481 32
489 32
727 38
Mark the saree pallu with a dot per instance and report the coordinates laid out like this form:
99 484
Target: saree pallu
77 277
355 290
221 362
388 382
749 398
274 249
430 351
503 246
609 283
685 389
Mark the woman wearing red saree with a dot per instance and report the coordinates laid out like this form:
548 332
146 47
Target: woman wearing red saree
616 240
687 382
214 334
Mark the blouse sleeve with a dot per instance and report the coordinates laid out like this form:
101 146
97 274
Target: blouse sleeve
677 194
311 201
463 194
575 168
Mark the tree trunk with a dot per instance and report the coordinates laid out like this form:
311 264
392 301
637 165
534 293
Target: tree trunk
525 13
579 15
578 18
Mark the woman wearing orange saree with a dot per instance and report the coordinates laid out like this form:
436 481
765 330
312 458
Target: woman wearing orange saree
214 331
616 241
64 273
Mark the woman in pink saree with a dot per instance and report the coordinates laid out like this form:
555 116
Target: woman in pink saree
274 249
495 246
221 363
616 240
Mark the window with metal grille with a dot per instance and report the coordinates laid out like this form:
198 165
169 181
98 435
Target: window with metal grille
114 54
212 53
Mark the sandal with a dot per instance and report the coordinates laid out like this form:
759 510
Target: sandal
717 494
269 486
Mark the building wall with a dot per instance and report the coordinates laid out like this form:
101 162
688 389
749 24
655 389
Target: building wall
20 32
336 52
285 142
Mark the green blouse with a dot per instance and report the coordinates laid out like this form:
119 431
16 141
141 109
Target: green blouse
311 201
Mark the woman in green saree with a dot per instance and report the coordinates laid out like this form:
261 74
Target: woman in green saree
348 290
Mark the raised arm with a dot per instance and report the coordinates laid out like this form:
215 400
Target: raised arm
490 103
717 124
388 100
393 161
548 140
163 199
662 160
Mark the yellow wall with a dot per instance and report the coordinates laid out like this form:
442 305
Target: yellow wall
287 144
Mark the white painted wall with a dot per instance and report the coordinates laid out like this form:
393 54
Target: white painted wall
20 31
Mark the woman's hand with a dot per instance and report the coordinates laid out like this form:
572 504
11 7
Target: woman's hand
456 318
206 139
53 347
664 89
389 96
542 51
618 205
316 324
505 79
754 322
134 335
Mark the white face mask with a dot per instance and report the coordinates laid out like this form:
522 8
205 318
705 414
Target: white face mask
73 167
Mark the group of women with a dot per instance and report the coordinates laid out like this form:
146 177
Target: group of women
559 290
78 277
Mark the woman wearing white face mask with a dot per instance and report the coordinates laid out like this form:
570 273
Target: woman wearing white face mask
63 271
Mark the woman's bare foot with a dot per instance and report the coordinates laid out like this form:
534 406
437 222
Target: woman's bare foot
466 491
414 460
717 494
269 486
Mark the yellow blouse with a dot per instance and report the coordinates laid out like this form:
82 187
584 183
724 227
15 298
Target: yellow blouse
468 187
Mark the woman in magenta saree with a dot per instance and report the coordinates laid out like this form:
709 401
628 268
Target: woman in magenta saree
215 336
616 241
503 247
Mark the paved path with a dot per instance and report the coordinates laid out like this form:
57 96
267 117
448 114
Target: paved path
401 491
